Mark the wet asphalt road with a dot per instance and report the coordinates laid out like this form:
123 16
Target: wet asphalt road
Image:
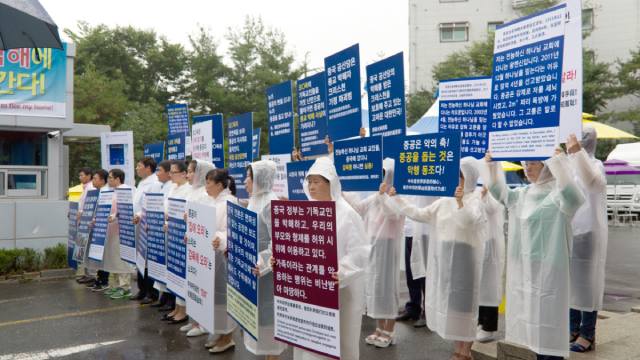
61 319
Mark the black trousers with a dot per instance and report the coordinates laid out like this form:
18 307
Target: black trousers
145 285
488 318
103 278
416 287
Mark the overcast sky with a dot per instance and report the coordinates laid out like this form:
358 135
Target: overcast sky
317 27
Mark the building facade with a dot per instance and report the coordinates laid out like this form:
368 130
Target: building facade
438 28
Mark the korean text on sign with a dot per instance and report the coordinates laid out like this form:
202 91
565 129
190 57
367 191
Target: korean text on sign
240 131
127 230
385 89
343 93
178 118
176 248
280 114
156 244
312 114
359 163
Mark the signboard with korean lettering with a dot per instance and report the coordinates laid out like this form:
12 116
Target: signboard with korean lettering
240 135
296 173
176 147
217 137
571 98
242 283
178 118
72 216
141 241
84 229
99 236
127 230
280 184
428 165
156 244
155 151
526 86
280 117
305 294
464 108
359 163
255 144
33 82
176 248
385 90
201 133
201 266
343 93
312 114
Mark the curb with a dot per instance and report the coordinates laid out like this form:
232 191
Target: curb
44 275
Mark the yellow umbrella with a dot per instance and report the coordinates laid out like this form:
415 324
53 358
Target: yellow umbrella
75 193
606 131
509 166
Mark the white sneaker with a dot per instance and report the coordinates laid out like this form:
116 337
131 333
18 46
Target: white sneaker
196 331
485 336
219 349
187 327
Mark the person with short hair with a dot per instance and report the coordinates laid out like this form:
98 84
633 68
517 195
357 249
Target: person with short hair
85 175
102 279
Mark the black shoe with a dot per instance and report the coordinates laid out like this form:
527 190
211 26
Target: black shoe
406 316
166 308
146 301
166 317
86 280
90 284
138 296
181 321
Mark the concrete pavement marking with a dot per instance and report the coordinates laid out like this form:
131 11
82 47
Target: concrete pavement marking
69 315
55 353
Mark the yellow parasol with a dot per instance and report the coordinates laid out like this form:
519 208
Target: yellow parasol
75 193
509 166
605 131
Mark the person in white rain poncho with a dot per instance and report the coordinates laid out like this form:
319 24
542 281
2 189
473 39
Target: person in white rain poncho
259 184
182 190
385 235
322 184
453 268
493 258
590 237
538 253
220 189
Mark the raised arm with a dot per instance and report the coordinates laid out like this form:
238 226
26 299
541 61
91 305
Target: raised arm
567 195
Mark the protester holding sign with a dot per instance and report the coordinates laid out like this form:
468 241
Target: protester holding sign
384 230
322 184
85 176
453 281
111 258
590 238
259 184
540 217
220 188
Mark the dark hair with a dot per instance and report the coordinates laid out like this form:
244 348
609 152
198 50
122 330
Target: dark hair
118 174
181 165
165 165
86 171
222 176
148 162
102 174
250 171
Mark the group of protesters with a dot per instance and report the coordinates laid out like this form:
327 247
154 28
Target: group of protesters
457 261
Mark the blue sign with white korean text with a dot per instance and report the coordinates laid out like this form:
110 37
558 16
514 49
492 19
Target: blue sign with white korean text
464 108
33 82
176 145
156 247
280 115
127 230
84 230
176 248
312 114
99 236
255 144
526 89
178 118
217 137
242 284
428 165
296 173
155 151
240 135
385 89
71 235
359 163
343 93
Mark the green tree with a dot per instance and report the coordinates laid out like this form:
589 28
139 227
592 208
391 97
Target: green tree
417 105
629 74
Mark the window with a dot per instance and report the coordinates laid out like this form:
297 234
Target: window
23 148
24 183
454 32
587 19
491 26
